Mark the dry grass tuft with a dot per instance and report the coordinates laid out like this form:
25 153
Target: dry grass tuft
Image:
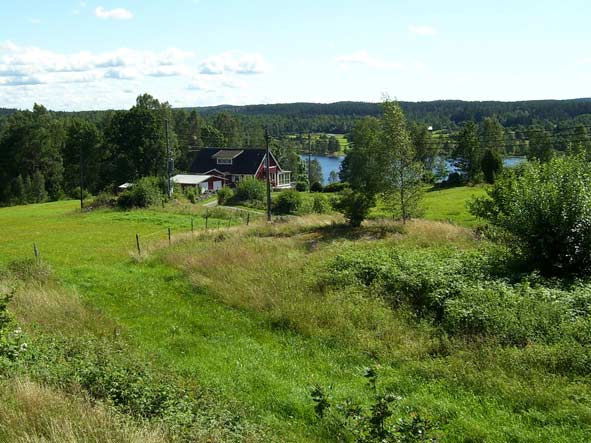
56 309
32 413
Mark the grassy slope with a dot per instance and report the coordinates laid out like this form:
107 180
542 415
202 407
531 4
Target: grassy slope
447 205
234 347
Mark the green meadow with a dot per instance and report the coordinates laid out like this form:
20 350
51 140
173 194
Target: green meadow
252 318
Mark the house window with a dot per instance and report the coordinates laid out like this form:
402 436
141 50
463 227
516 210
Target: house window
224 161
284 178
236 178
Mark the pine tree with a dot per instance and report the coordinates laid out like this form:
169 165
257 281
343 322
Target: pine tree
38 191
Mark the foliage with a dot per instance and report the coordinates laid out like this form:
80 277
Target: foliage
225 195
11 336
302 186
320 204
146 192
546 207
373 424
288 202
491 165
250 190
316 187
467 153
354 205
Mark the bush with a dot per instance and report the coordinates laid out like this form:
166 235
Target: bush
250 190
288 202
75 194
355 206
320 204
146 192
225 195
192 194
335 187
104 200
546 208
301 186
316 187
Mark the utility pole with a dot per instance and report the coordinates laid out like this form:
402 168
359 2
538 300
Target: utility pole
168 162
267 163
309 163
81 182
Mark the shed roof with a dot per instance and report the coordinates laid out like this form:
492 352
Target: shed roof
190 179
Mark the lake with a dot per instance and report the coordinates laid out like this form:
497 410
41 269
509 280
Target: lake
329 164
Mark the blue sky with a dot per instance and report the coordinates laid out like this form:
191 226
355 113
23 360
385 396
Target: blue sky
74 55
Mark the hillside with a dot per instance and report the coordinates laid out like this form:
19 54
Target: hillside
169 347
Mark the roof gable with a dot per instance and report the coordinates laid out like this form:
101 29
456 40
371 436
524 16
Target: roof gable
245 161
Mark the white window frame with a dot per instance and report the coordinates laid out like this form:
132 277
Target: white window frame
224 161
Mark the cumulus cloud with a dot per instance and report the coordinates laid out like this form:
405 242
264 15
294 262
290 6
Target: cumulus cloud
363 58
234 62
121 64
423 30
114 14
95 80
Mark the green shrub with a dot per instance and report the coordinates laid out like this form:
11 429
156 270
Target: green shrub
301 186
320 204
11 337
146 192
250 190
547 210
288 202
460 292
316 187
335 187
225 195
75 193
104 200
355 206
192 194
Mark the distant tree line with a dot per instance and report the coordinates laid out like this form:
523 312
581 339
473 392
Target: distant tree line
47 155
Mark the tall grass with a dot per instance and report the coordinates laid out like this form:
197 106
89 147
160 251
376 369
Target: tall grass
33 413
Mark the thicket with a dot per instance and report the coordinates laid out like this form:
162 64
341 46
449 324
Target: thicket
474 296
146 192
545 208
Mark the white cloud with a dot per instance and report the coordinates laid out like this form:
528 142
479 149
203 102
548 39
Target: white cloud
34 21
115 14
53 67
363 58
234 62
423 30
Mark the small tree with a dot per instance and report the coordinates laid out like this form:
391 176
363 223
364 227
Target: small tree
355 206
546 209
38 192
402 173
491 165
467 152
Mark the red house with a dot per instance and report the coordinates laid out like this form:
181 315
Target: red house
234 165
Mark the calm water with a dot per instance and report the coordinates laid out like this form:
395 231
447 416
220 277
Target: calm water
329 164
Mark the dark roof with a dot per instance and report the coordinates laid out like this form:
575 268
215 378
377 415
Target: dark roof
246 161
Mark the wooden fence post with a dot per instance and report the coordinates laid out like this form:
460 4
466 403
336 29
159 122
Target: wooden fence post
137 242
247 218
169 237
192 226
35 251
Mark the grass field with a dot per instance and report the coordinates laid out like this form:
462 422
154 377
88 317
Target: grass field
447 205
225 311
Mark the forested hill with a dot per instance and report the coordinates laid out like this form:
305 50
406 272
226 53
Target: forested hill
338 117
